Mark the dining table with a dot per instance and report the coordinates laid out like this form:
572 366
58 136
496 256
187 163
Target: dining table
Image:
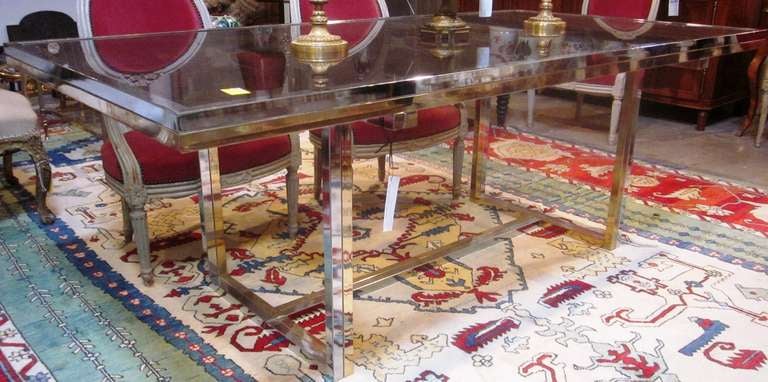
392 68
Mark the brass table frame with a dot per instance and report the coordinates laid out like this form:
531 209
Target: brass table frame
340 284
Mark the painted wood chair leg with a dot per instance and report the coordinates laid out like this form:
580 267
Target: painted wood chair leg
8 169
292 191
382 168
458 165
531 106
127 226
763 117
579 104
141 237
615 111
318 173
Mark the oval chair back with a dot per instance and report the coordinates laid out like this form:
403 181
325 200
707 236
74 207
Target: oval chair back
635 9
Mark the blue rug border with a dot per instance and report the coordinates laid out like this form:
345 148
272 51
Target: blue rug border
26 201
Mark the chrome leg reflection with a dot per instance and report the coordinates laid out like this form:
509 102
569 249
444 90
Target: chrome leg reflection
482 126
624 151
211 209
337 239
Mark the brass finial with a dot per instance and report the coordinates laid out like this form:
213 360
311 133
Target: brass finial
544 24
319 44
445 21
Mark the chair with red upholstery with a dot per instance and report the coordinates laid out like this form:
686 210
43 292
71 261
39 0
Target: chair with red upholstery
137 166
612 85
375 138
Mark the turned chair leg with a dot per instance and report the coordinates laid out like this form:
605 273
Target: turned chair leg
141 237
458 164
8 169
292 191
701 120
502 106
531 106
127 226
614 127
318 173
382 167
43 170
763 116
579 104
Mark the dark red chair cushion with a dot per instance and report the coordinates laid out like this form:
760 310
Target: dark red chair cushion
346 10
262 70
636 9
430 122
598 59
161 164
604 80
117 17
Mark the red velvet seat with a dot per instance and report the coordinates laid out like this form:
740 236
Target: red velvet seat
161 164
262 70
430 122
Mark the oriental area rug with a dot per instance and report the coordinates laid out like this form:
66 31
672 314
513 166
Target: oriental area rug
684 298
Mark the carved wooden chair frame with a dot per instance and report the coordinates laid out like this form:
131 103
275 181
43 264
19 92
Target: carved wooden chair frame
380 151
615 90
135 194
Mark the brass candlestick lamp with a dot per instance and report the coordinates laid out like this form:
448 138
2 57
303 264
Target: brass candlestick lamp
544 24
319 45
445 21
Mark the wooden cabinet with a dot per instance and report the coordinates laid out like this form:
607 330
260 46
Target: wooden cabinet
703 85
706 85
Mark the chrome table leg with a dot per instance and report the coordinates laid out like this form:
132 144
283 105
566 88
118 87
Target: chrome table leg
623 162
482 127
337 240
212 213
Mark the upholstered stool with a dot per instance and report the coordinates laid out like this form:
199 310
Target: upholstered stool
19 132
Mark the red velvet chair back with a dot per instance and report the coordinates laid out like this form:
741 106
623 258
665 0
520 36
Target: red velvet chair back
262 70
345 10
636 9
120 17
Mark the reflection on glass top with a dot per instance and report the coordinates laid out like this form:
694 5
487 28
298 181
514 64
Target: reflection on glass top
188 73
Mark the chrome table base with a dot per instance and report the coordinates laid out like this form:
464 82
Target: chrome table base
340 286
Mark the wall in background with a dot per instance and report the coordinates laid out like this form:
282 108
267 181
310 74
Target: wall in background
11 11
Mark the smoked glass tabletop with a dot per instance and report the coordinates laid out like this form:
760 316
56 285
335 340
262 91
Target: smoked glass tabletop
201 80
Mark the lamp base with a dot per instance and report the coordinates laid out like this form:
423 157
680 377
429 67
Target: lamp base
441 26
319 48
544 26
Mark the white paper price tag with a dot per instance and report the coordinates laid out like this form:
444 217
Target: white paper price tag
393 184
483 57
674 8
486 7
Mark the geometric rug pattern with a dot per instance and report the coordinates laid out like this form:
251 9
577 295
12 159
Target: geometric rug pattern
686 304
